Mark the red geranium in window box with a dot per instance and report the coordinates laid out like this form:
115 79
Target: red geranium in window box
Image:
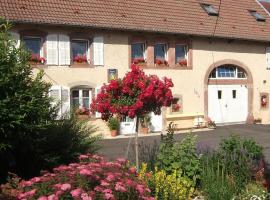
80 59
35 58
183 62
160 62
138 60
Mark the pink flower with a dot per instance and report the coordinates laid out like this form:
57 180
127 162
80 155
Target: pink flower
82 157
121 160
110 177
52 197
140 189
108 196
65 187
85 196
104 183
120 187
76 193
86 172
133 170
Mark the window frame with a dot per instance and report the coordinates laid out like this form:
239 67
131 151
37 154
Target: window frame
80 98
40 43
166 46
87 54
186 52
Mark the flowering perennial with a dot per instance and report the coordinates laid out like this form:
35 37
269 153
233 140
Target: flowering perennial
91 178
135 95
138 60
183 62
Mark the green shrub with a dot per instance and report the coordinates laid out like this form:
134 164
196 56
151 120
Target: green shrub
215 183
179 156
241 157
113 123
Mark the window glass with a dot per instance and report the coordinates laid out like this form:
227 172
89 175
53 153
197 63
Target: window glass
137 50
33 44
226 72
180 52
79 50
219 94
241 73
80 98
234 94
160 52
209 9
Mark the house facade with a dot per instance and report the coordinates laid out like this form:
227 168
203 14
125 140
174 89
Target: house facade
217 55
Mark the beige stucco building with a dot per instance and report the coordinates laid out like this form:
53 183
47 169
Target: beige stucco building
221 73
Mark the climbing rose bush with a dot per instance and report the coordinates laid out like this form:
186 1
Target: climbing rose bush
134 95
91 178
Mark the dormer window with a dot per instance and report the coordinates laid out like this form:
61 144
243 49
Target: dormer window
209 9
257 16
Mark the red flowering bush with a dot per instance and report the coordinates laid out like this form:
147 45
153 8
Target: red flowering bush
80 59
176 107
91 178
37 59
135 95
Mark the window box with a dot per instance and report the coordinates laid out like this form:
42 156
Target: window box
161 63
182 63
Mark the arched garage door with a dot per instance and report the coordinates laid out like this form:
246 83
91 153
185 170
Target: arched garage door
228 95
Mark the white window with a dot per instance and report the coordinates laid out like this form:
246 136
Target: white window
228 72
80 98
161 53
98 48
79 50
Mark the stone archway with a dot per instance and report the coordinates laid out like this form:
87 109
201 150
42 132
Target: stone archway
248 82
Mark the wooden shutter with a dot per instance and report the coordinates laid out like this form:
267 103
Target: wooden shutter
98 89
52 49
64 50
16 37
55 94
98 50
65 101
268 57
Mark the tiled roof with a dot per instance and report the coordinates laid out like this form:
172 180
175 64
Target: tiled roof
168 16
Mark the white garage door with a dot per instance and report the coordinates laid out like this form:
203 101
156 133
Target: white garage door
227 103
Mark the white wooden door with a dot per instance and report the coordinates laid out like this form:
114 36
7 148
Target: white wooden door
227 103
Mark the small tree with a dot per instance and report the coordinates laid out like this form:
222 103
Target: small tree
135 95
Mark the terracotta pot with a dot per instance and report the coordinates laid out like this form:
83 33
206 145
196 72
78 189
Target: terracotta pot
145 130
114 133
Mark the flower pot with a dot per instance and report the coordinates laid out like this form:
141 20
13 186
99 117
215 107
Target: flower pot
145 130
114 133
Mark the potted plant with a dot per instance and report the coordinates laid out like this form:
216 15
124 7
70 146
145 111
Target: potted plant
80 59
145 122
113 124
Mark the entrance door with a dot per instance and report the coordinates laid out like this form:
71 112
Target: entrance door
227 103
